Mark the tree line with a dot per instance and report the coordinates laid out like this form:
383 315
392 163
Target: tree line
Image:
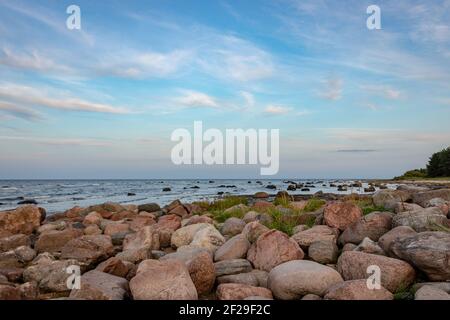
438 166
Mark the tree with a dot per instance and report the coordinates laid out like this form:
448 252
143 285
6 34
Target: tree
439 164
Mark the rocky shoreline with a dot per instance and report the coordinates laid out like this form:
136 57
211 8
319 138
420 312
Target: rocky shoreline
256 247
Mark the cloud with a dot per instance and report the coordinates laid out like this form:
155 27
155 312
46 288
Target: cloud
196 99
356 150
384 91
333 89
50 19
235 59
59 141
19 111
249 98
144 64
276 110
30 61
31 96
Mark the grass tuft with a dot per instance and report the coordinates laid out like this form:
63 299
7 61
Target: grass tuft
314 204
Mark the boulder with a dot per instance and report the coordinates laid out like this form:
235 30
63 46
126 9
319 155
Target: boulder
255 278
372 226
54 240
445 286
238 291
235 248
114 228
295 279
97 285
184 236
8 292
88 249
300 228
92 229
253 230
24 219
316 233
273 248
233 266
431 293
93 218
149 207
163 280
208 238
134 255
369 246
179 210
232 226
197 219
25 253
395 274
311 297
113 266
261 195
405 206
421 198
50 275
323 251
420 220
165 227
389 198
389 238
200 267
263 217
340 215
144 239
427 251
356 290
14 241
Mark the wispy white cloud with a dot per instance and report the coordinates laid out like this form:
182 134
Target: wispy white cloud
196 99
277 110
144 64
248 98
382 90
30 61
50 19
33 96
234 59
18 111
81 142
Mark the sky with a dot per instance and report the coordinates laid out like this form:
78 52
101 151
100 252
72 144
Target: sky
102 101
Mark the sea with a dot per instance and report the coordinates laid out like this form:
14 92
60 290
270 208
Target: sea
60 195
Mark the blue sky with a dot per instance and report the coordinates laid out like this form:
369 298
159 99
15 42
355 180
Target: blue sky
101 102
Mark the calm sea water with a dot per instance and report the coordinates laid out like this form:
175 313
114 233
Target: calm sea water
60 195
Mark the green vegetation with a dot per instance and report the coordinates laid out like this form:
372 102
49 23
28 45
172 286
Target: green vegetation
439 227
222 216
314 204
281 221
218 208
227 202
282 201
403 293
438 167
367 206
439 164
